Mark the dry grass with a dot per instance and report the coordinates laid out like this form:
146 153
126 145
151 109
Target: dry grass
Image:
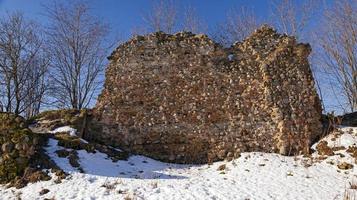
307 162
129 197
351 192
349 195
111 186
353 184
154 184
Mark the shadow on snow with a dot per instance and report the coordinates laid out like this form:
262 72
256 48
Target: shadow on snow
98 164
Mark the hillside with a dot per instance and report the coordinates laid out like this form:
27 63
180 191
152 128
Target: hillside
252 176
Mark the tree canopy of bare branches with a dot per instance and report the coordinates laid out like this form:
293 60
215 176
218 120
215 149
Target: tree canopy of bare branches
162 17
338 42
292 17
76 42
23 65
239 23
192 22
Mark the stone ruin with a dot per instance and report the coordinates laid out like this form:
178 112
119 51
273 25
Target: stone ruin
184 98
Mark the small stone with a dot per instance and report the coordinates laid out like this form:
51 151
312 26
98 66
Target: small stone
62 153
345 166
7 147
35 141
73 160
18 146
44 191
221 154
172 157
58 181
221 167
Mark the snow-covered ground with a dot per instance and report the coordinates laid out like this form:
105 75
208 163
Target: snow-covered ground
252 176
71 131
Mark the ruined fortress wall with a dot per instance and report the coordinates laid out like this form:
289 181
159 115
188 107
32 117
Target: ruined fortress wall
183 98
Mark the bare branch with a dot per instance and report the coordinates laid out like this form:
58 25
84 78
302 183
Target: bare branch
162 17
240 22
76 42
23 65
338 41
191 21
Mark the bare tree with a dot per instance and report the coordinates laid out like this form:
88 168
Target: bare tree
292 17
191 21
23 65
162 16
76 42
338 41
37 88
240 23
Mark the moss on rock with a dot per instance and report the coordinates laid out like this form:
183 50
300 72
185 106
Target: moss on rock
73 142
17 146
63 117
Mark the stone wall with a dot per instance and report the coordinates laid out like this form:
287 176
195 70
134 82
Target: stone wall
184 98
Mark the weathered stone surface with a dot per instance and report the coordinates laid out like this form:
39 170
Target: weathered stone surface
7 147
184 98
16 147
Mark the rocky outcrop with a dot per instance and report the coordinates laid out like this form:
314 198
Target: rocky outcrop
184 98
18 145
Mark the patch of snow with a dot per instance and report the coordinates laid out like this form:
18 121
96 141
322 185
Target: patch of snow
63 163
116 149
252 176
67 129
83 140
346 139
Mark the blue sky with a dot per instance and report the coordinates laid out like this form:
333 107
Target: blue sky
124 15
